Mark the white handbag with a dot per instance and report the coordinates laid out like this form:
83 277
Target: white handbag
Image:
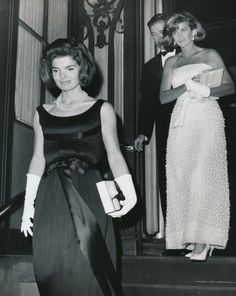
110 196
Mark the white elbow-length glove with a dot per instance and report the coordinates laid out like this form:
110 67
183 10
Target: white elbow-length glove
197 88
126 185
32 185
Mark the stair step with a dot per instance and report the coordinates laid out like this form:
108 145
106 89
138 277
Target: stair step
178 276
17 276
177 290
168 269
141 276
19 289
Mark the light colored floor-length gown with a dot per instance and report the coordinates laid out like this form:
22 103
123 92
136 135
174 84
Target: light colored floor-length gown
196 168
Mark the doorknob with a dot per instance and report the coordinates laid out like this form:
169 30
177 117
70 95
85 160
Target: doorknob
127 147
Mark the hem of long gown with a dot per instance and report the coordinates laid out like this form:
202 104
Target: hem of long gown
209 236
184 245
58 271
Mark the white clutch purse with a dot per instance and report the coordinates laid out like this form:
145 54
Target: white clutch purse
110 196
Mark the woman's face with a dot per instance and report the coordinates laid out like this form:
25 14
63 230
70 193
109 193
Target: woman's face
183 34
65 72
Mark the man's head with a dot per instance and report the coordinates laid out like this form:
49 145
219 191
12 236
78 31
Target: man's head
156 27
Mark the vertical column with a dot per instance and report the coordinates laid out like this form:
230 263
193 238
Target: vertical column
154 220
133 11
8 44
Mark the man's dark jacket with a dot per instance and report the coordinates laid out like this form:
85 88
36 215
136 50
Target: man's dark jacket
152 111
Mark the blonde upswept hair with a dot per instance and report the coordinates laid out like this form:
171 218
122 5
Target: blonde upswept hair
172 25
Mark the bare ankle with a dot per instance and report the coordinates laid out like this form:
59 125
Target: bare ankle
199 248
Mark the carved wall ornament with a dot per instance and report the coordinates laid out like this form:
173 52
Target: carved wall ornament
104 16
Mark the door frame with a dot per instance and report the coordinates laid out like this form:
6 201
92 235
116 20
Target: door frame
8 45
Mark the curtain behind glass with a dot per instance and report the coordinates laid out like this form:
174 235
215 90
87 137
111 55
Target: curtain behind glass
30 43
31 12
27 92
57 19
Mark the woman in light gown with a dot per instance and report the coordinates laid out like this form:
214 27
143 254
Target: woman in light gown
196 168
74 249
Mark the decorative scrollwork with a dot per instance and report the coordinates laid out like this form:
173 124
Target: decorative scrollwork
102 13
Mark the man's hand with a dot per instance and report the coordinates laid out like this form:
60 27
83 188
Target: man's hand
139 143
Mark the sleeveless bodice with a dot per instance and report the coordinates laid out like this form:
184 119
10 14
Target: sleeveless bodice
74 137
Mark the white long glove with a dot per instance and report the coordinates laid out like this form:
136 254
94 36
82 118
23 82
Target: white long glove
197 88
32 185
126 185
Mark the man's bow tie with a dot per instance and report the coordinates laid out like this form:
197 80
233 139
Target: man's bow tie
164 52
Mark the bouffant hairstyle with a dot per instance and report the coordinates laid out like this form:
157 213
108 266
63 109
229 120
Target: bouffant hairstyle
67 47
172 25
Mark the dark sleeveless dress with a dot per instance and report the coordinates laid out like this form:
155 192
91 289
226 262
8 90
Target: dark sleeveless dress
73 243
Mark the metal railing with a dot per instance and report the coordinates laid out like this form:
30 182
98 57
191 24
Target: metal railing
11 206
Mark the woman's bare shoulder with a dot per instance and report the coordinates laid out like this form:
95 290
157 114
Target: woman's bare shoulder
210 52
108 114
107 108
171 62
213 58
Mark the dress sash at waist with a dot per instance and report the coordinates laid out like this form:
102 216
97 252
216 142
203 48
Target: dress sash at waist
182 106
74 164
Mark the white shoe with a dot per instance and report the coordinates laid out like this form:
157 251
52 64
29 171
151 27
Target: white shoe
188 255
203 255
189 247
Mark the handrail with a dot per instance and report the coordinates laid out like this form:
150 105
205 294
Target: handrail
12 206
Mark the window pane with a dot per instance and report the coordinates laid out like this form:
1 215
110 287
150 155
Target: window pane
31 12
57 19
27 95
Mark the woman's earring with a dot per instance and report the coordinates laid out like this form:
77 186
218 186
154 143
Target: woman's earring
193 36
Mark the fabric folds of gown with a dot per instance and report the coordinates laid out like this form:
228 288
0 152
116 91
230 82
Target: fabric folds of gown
73 244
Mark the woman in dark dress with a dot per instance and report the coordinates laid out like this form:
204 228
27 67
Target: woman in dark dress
73 244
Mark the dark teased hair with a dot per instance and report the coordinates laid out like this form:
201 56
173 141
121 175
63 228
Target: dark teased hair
67 47
156 18
172 25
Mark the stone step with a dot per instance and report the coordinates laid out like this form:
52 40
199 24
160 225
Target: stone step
16 276
143 269
178 276
207 289
143 275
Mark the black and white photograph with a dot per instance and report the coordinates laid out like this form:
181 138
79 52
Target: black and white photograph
117 148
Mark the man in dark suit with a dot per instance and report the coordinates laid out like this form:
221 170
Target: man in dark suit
150 110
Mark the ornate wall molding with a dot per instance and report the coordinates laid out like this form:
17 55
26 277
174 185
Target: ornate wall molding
100 18
98 23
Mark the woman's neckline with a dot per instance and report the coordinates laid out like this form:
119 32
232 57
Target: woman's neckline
191 65
85 112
